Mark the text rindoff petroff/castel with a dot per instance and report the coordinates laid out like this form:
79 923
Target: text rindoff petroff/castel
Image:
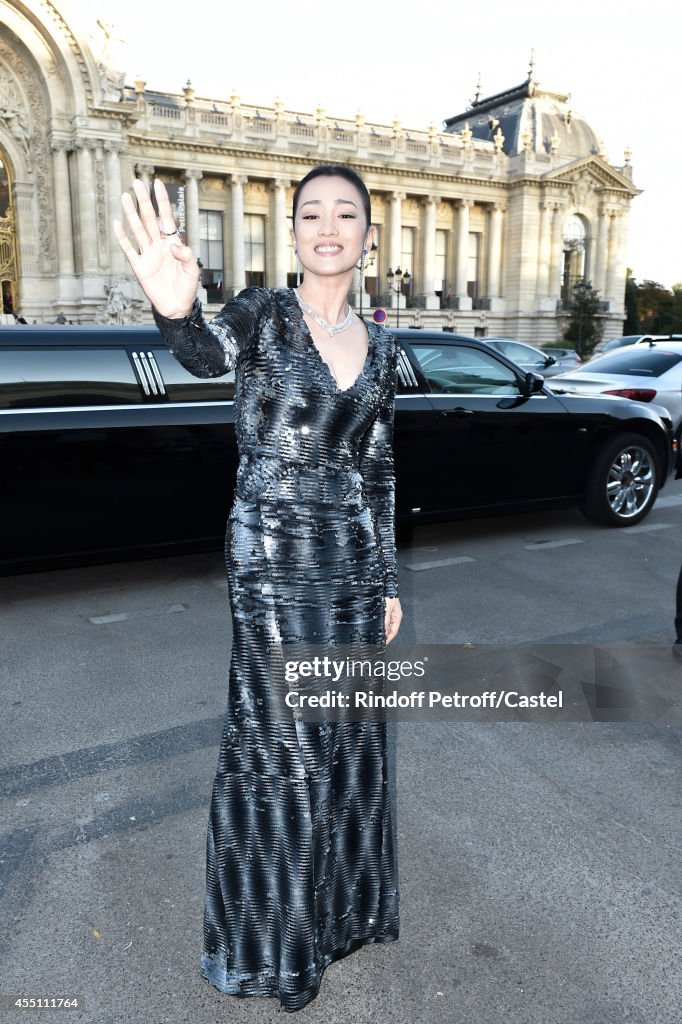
423 698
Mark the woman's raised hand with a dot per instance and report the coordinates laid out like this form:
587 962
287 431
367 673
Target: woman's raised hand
167 270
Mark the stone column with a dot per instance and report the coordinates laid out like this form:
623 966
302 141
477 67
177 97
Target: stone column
26 213
238 263
618 301
114 189
428 268
280 233
103 247
87 204
555 263
463 298
145 172
495 250
544 254
63 216
192 179
599 276
227 238
395 242
612 267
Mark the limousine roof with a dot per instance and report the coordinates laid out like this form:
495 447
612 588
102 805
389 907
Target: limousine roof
76 334
114 334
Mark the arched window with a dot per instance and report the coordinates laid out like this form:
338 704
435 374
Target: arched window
575 233
575 247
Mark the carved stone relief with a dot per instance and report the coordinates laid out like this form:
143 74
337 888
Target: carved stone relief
106 47
118 308
256 190
13 113
25 116
581 186
379 206
216 186
111 83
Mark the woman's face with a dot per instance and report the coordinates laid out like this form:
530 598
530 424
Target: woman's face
330 230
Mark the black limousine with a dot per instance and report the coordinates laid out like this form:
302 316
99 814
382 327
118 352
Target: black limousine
111 449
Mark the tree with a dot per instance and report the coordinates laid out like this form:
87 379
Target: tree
655 306
632 324
585 328
677 308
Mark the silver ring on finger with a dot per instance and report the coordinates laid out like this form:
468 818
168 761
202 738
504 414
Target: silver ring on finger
169 234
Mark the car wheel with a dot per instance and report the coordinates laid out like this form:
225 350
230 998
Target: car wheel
623 482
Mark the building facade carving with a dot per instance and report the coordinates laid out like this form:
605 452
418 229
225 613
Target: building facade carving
493 217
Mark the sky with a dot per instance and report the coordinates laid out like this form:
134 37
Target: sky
619 62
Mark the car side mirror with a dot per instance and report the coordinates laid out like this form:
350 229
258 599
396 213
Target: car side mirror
550 360
532 383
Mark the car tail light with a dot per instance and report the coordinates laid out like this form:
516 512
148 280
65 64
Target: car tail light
636 394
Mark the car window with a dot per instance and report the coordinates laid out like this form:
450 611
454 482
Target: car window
634 362
182 386
34 376
458 369
521 353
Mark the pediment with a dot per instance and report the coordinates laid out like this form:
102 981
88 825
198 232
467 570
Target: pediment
589 174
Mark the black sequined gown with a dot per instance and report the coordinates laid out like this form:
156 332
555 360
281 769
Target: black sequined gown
301 858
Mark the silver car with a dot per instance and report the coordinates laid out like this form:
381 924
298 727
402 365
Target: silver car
645 373
529 358
627 339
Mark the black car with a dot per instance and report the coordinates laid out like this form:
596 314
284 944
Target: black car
111 449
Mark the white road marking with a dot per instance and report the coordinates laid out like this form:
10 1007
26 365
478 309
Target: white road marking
647 528
438 563
99 620
670 501
539 545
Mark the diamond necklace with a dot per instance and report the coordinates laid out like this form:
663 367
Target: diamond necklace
331 329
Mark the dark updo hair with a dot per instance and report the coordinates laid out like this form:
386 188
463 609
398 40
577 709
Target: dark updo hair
336 171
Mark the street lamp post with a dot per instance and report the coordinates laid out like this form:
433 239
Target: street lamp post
401 278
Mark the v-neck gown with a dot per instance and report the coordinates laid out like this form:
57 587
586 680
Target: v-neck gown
301 858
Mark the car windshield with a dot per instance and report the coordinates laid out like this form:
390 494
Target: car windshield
634 363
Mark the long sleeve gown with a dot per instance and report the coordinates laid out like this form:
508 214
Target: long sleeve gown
301 861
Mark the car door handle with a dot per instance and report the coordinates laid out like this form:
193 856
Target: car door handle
458 412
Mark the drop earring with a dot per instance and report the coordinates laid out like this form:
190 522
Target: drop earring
362 269
299 270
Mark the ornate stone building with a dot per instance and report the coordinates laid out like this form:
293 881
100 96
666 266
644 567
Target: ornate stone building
493 216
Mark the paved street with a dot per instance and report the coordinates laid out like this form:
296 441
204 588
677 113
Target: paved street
539 863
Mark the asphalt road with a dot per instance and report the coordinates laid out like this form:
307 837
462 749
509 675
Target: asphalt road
539 862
